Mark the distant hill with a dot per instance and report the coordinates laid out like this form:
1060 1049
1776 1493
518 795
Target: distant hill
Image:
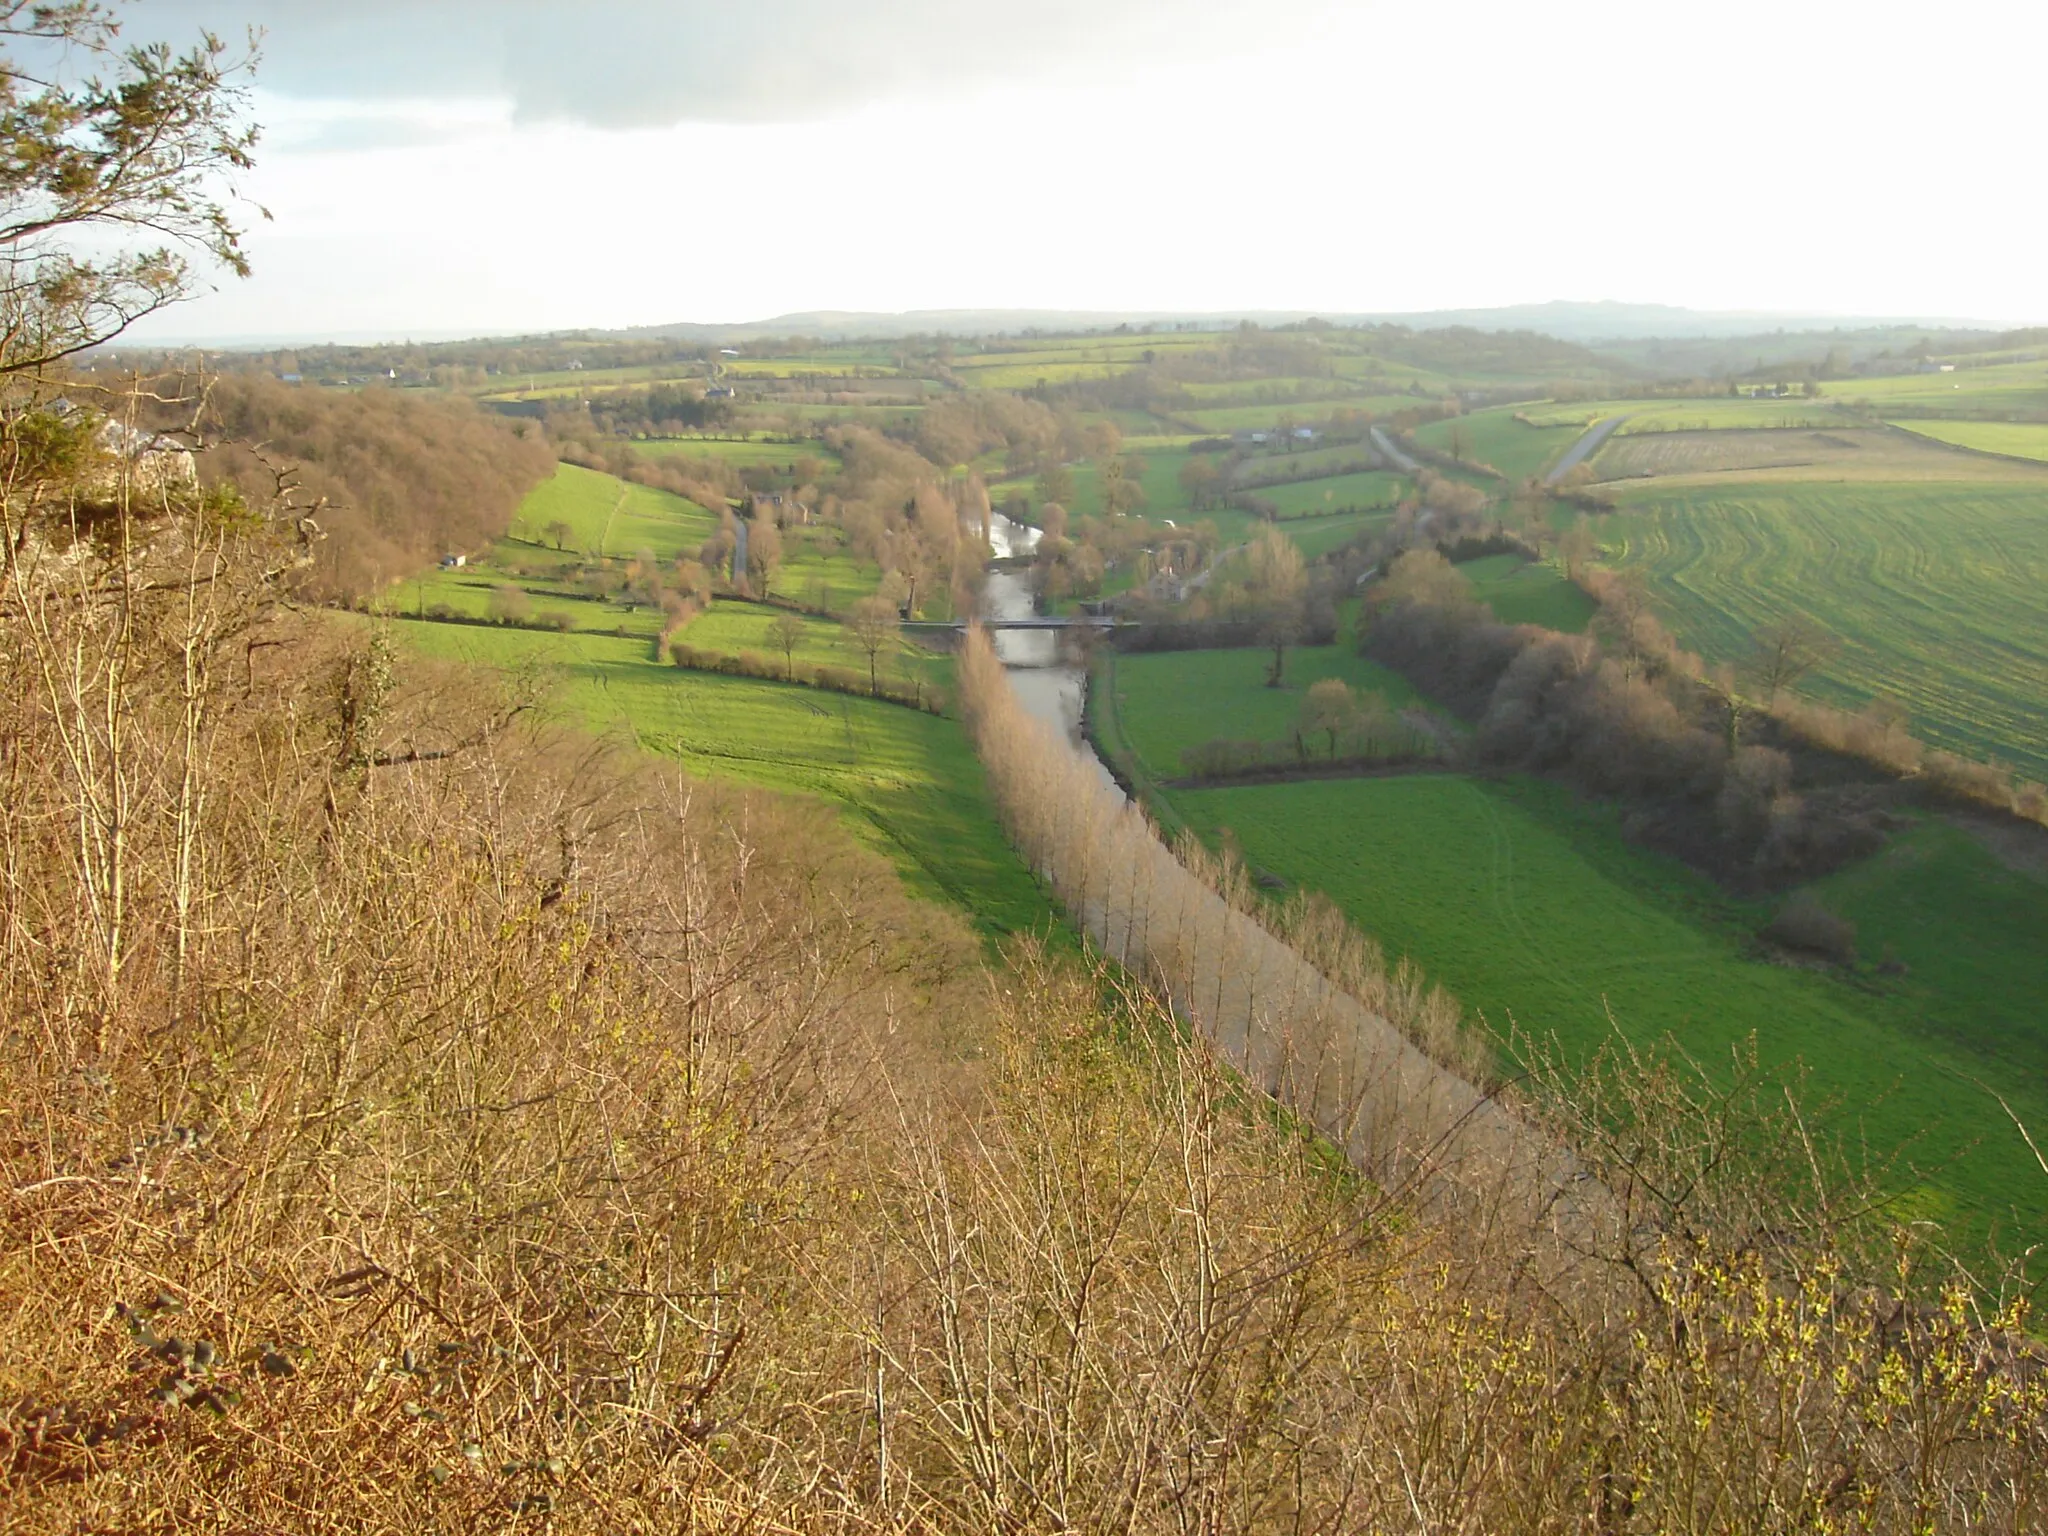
1567 320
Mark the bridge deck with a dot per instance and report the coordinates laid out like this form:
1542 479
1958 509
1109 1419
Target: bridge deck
1090 621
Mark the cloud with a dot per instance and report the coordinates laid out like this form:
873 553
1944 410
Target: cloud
651 63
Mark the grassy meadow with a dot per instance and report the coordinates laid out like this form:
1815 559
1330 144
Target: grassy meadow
1537 915
610 517
1338 493
1523 591
908 782
1164 702
1498 438
2008 439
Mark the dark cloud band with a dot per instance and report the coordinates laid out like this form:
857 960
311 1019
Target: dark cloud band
645 63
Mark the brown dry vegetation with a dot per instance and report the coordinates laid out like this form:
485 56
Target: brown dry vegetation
404 478
417 1123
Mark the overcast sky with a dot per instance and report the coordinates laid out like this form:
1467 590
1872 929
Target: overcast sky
462 166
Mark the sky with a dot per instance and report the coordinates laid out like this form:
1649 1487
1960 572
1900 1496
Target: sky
457 167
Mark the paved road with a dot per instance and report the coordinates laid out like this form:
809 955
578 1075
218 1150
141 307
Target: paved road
1584 448
1395 456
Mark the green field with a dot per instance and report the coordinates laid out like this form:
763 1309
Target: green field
1530 592
608 516
1535 913
2008 389
1935 591
1519 451
1160 482
1303 498
1165 702
731 626
2010 439
909 783
1304 412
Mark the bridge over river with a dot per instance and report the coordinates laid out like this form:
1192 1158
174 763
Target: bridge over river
956 626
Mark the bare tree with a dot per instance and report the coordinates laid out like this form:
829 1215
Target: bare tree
1578 545
1784 652
1330 707
764 552
786 630
875 626
1279 582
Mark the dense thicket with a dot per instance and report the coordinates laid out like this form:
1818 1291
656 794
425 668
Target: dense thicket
405 477
1613 717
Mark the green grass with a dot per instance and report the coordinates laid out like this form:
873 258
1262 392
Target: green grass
908 782
2011 439
1160 483
1533 910
2010 389
1165 702
1304 498
1530 592
731 626
1518 450
1315 536
608 516
1935 591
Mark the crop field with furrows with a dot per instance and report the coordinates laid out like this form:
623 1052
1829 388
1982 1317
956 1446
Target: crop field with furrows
608 516
1715 414
1530 592
1535 912
1835 455
2010 439
1305 498
1723 415
908 781
1167 701
1934 589
1518 450
1703 452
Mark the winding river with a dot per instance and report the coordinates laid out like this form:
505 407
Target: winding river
1049 685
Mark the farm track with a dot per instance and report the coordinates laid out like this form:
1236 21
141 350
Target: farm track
1584 448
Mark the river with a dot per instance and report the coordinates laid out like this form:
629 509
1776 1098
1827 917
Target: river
1049 686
